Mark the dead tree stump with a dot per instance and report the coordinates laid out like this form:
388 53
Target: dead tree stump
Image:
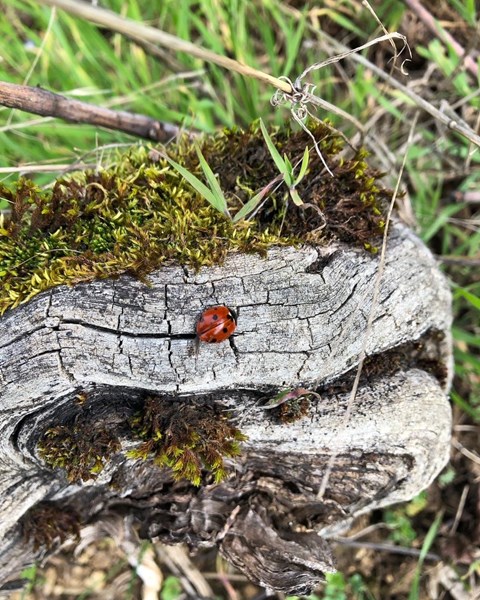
97 350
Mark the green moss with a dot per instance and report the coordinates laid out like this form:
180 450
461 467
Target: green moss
140 213
183 436
186 438
81 448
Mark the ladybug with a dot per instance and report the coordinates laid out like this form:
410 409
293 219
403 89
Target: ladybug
216 324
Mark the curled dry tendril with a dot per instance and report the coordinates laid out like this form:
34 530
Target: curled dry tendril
299 98
300 95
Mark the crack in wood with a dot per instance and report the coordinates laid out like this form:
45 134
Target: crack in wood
301 322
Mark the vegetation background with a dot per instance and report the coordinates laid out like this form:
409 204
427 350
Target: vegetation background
430 547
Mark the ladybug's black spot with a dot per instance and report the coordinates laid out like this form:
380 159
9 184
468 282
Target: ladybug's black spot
225 330
215 317
213 340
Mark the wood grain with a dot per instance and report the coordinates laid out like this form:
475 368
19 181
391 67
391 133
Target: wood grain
301 322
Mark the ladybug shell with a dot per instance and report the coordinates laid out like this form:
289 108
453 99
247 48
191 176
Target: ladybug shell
216 324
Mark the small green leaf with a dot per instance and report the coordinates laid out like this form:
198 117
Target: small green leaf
303 166
212 181
275 154
198 185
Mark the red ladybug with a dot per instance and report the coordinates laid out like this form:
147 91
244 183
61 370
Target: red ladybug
216 324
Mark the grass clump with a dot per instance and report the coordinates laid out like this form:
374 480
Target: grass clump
350 206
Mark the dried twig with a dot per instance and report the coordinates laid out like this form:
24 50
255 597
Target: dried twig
371 316
473 456
382 547
144 33
42 102
461 261
460 508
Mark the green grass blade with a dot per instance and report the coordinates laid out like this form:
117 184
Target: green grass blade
440 221
466 361
252 204
303 166
212 181
275 154
427 543
198 185
468 296
472 411
249 207
465 336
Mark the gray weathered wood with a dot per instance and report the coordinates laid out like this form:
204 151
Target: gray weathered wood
302 316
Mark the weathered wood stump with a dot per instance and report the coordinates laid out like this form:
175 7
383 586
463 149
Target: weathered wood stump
97 350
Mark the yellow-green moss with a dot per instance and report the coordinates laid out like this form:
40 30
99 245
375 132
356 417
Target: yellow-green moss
138 214
186 438
81 448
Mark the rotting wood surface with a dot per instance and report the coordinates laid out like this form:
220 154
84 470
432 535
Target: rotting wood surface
302 316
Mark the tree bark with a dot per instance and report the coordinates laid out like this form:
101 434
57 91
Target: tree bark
302 317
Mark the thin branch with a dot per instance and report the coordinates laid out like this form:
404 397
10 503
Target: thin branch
347 53
42 102
382 547
473 456
452 123
461 261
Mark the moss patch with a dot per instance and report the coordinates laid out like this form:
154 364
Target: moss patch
140 213
46 525
81 448
186 438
